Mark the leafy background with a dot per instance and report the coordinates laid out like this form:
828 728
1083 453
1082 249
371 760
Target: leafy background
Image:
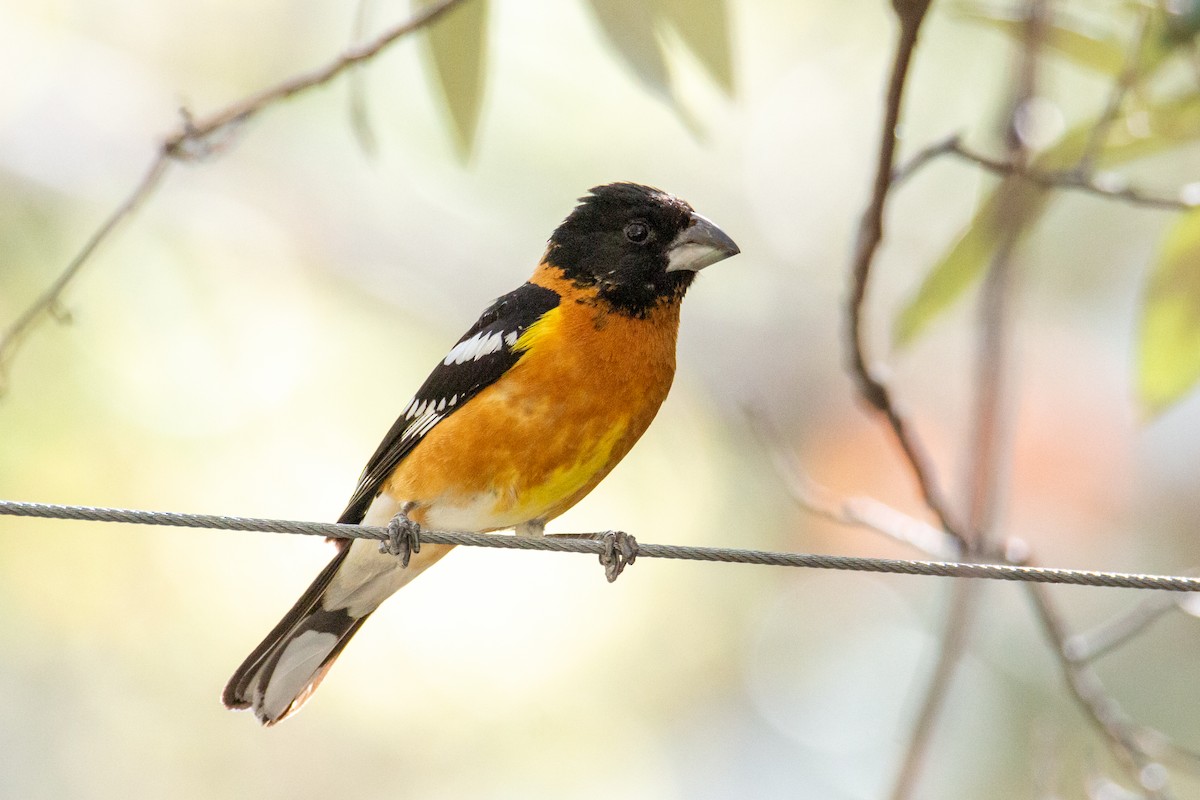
242 345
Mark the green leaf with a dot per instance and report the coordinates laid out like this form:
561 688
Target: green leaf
959 269
1105 55
456 46
1161 127
1182 21
629 25
704 27
1169 346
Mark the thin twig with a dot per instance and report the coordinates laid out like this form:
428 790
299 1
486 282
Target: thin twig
853 511
49 300
923 158
1108 186
871 386
986 445
360 119
991 361
244 109
963 605
1120 732
1082 648
869 513
1098 136
1085 687
198 138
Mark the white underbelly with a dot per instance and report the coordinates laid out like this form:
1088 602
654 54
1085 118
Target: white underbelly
368 577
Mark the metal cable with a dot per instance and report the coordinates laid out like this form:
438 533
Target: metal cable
950 569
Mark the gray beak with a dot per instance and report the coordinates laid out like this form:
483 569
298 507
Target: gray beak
699 246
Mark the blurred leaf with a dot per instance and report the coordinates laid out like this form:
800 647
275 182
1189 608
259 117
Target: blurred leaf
704 27
1157 43
1102 55
964 264
1182 21
1152 130
1157 129
629 27
456 47
1169 351
360 119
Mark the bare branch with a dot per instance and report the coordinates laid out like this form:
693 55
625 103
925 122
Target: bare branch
48 303
871 386
1128 78
244 109
923 158
197 139
360 119
1123 736
963 605
1085 686
1106 185
987 441
864 512
1082 648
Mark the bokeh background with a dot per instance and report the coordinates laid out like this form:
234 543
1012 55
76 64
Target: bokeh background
242 344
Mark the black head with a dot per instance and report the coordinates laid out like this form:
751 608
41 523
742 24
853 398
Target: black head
637 244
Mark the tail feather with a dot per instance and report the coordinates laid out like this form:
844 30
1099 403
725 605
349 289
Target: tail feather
300 662
289 664
310 637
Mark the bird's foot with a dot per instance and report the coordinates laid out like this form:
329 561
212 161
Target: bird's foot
403 538
620 550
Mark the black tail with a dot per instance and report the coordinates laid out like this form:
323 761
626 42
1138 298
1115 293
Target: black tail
311 637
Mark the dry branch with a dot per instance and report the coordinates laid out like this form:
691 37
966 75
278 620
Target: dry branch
196 139
1086 688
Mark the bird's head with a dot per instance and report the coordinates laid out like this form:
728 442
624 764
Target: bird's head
638 245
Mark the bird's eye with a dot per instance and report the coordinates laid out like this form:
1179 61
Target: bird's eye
637 232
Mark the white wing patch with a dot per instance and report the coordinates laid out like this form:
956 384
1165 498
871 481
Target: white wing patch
424 417
422 425
423 414
480 345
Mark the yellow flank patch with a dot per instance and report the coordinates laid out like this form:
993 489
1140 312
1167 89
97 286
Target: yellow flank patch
567 481
545 326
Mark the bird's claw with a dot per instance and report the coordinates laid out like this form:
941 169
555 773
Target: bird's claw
403 538
620 550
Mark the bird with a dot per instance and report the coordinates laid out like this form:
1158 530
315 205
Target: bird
529 410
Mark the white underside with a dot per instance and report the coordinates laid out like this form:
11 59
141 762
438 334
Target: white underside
368 577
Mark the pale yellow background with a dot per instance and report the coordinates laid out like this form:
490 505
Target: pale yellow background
243 343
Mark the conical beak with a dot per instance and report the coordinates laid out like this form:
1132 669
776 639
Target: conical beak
699 245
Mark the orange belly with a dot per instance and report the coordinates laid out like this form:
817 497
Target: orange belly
533 444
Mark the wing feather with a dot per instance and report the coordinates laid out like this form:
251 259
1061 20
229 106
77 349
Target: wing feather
484 353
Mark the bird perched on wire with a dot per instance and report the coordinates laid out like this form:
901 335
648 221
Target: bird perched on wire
529 410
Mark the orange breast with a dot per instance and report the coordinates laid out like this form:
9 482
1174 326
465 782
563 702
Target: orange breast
535 442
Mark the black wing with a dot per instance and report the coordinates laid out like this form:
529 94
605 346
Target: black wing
482 355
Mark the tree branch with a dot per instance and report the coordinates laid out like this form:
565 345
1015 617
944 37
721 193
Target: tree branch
871 386
195 139
49 300
1108 185
1122 734
1085 686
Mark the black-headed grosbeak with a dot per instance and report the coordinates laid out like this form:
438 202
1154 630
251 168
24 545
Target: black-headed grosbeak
529 410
